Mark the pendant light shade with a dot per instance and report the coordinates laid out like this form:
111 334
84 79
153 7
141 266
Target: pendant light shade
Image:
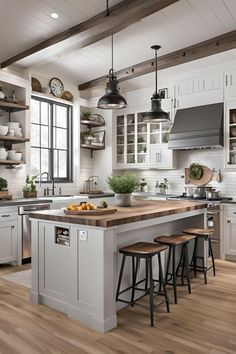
112 98
156 114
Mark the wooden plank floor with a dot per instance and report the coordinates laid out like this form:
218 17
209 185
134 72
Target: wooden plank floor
203 322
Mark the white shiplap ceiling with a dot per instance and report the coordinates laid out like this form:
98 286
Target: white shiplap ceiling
182 24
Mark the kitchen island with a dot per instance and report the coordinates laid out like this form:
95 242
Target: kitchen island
75 259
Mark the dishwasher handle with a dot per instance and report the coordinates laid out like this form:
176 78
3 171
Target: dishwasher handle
24 210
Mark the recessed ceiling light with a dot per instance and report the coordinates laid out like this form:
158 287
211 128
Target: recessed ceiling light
54 15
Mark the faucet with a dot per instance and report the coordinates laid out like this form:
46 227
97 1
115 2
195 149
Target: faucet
48 178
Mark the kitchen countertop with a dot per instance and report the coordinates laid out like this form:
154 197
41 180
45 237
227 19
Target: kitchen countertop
141 210
51 198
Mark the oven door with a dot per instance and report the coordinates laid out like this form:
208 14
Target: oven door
213 222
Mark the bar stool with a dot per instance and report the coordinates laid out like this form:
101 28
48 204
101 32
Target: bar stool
147 251
204 233
173 241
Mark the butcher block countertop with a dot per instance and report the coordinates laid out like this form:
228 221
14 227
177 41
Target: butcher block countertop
140 210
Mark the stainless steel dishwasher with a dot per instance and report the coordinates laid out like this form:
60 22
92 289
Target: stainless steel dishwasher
24 212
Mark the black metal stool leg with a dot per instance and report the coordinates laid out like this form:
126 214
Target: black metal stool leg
146 281
194 259
161 279
120 276
168 264
183 267
204 270
134 276
212 256
180 262
151 290
187 267
174 274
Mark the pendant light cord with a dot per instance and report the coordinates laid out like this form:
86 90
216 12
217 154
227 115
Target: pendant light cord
107 7
112 55
156 69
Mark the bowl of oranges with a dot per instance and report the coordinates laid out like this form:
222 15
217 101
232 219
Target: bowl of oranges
79 209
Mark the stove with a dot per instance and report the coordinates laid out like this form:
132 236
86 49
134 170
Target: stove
212 204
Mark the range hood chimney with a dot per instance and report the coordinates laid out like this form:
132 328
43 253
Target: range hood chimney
197 127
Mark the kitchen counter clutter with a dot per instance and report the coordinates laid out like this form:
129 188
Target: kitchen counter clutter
70 250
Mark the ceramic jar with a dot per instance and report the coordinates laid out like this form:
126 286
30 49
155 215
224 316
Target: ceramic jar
3 154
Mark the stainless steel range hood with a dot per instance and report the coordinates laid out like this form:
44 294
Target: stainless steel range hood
197 127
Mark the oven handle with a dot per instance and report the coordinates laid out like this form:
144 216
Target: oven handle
213 213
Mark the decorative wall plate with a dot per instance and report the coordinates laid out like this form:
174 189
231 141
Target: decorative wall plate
56 87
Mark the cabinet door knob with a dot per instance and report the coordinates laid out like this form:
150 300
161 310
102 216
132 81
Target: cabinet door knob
228 221
5 216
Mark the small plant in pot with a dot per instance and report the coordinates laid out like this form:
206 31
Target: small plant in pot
87 137
3 187
123 186
29 189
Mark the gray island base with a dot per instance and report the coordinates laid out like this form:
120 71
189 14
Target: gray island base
76 261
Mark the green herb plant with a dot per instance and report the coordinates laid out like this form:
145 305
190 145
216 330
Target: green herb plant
3 183
30 185
125 183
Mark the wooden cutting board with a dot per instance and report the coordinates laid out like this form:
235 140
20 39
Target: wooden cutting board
206 177
98 211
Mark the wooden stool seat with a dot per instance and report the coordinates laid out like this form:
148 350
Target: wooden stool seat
199 232
174 240
143 248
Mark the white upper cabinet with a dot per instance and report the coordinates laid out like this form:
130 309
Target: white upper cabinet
198 91
138 144
230 85
230 135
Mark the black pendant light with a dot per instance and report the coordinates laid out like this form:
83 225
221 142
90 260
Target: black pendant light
112 99
156 115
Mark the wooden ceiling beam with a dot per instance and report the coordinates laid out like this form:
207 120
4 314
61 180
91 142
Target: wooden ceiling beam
121 15
201 50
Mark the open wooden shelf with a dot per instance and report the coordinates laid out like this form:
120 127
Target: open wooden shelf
11 162
12 107
92 146
13 139
91 123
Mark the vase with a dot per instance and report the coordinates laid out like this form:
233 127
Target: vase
123 199
162 190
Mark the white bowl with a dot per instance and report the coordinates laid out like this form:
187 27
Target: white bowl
11 154
3 130
18 156
3 155
13 125
18 132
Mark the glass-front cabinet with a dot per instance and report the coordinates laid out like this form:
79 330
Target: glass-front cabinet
230 135
139 144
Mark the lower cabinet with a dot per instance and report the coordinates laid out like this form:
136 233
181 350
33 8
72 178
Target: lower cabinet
8 239
230 233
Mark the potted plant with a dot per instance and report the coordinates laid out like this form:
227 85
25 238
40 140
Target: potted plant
87 137
3 188
29 189
163 186
123 186
86 115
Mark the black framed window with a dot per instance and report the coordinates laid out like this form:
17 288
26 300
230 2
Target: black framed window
51 139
